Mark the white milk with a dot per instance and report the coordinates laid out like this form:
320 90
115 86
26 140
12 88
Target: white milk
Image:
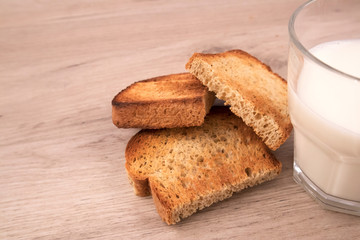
326 119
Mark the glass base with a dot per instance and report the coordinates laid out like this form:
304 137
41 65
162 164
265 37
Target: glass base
325 200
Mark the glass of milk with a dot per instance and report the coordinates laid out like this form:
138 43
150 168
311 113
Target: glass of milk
324 101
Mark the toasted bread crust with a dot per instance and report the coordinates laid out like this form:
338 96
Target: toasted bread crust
187 169
252 90
176 100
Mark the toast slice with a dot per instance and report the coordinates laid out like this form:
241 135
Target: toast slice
252 90
177 100
187 169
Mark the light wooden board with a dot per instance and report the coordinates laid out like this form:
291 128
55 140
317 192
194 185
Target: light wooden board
62 160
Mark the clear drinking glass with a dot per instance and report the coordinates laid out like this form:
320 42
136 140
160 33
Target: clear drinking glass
324 101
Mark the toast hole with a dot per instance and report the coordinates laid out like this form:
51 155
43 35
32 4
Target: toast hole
257 116
177 196
224 139
248 171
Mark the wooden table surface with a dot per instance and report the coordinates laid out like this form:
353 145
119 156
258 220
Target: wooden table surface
62 160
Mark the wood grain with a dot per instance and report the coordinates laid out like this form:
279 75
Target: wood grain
62 161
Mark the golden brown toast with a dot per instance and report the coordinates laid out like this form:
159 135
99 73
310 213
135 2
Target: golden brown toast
177 100
187 169
252 90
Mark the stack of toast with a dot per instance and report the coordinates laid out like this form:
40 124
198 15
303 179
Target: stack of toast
191 154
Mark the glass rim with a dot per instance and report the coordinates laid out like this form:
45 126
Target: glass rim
304 50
